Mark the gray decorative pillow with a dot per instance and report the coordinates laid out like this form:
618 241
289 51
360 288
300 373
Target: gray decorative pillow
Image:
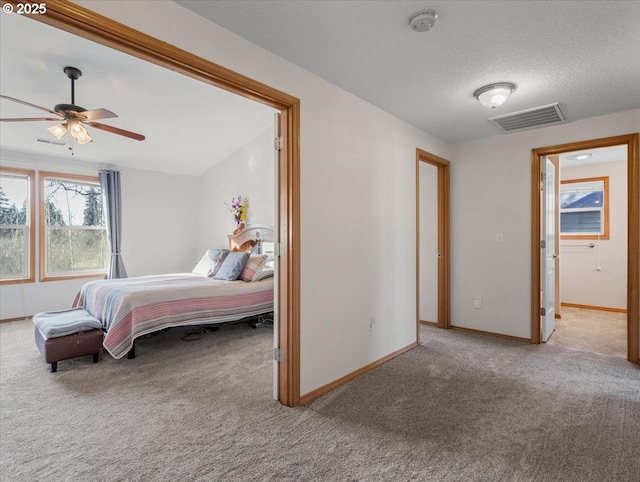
232 266
210 261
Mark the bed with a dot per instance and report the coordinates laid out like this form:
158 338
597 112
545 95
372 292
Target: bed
132 307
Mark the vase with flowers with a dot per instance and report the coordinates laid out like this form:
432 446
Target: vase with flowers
238 207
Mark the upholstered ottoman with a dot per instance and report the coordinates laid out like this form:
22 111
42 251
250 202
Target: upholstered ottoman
61 335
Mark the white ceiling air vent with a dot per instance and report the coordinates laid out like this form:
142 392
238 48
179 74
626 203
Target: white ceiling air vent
530 118
42 140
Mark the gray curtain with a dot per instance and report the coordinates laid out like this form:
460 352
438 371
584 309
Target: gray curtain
110 184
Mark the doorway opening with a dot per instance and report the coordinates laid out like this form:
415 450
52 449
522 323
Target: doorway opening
539 251
432 173
90 25
591 222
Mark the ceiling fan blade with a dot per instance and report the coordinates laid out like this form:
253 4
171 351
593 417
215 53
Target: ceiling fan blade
95 114
115 130
32 105
22 119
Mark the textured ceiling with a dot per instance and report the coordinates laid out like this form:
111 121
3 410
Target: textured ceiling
554 51
583 55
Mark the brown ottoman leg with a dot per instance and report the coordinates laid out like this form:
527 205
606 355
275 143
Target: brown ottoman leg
70 346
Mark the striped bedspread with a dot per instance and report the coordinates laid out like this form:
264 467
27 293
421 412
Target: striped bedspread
131 307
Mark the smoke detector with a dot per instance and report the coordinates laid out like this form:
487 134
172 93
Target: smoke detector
423 21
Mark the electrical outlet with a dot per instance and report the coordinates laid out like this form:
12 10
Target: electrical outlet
372 322
477 302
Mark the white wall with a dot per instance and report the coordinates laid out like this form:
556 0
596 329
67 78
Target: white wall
248 172
150 244
580 280
428 179
159 222
357 178
490 193
167 219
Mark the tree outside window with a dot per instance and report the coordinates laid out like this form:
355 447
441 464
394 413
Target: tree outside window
16 226
75 236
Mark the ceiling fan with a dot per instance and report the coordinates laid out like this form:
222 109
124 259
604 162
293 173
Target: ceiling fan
74 117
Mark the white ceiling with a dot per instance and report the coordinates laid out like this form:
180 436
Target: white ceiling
597 156
189 125
583 55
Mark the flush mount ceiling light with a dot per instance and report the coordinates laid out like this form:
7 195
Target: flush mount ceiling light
581 157
423 21
493 95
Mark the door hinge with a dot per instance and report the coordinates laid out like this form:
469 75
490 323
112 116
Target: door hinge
277 143
543 312
277 354
277 248
543 244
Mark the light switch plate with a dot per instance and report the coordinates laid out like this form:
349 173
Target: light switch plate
499 238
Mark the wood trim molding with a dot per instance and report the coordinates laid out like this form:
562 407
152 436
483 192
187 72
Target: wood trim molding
444 304
590 307
289 275
85 23
605 234
90 25
633 232
42 175
20 318
31 271
431 323
361 371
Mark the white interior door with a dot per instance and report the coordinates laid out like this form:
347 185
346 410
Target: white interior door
547 246
428 242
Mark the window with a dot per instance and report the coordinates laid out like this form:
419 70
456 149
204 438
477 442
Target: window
584 208
17 226
72 227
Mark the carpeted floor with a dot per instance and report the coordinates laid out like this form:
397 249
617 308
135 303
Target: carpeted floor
596 331
460 407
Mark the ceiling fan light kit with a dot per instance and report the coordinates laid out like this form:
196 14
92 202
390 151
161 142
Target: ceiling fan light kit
75 128
74 117
494 95
58 130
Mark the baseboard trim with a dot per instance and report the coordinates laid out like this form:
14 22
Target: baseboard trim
347 378
490 333
19 318
590 307
431 323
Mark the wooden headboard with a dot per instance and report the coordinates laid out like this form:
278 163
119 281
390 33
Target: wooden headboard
251 235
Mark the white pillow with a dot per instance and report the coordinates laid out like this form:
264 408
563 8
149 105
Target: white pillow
265 271
210 262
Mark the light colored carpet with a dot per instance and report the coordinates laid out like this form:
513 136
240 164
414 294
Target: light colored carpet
460 407
596 331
